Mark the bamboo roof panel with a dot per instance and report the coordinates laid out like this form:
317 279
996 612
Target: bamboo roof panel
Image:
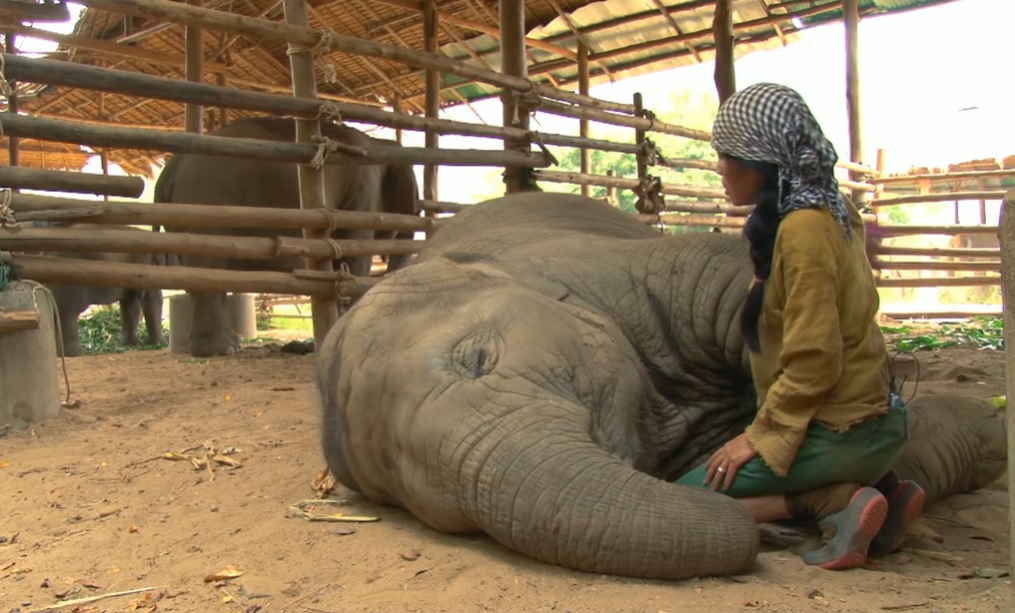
625 38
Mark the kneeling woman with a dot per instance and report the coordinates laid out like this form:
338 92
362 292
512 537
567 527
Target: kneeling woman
829 425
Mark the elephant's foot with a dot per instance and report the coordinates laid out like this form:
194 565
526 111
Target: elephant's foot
132 341
70 350
220 345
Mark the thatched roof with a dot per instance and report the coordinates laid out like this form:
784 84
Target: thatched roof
625 38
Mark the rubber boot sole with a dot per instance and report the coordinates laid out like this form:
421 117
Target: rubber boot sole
904 506
855 527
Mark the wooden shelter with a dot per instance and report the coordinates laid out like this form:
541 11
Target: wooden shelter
570 44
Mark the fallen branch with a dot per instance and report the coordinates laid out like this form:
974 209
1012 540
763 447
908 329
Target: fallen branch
77 601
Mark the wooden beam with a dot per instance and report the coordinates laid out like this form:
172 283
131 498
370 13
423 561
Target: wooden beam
940 197
12 100
722 31
76 182
194 73
133 53
49 12
512 28
432 83
851 17
173 142
324 308
535 43
1007 237
585 162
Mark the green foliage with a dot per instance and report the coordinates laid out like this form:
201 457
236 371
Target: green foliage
101 332
983 332
897 214
685 111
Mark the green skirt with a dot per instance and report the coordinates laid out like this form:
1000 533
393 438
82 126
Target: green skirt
862 454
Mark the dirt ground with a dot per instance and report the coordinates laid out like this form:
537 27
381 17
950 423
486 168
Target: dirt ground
90 508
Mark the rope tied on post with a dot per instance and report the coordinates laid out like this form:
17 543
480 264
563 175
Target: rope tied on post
346 285
652 155
323 45
327 146
537 139
650 196
5 87
530 101
331 111
7 219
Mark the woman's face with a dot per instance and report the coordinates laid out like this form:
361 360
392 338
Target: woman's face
742 183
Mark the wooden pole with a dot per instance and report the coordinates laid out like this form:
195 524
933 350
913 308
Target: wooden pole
512 42
193 71
324 308
12 102
204 216
127 240
223 110
583 124
940 197
303 153
48 269
396 107
65 74
642 205
851 16
722 31
433 93
74 182
638 123
1007 239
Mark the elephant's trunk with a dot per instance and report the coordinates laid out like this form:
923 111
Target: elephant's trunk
536 482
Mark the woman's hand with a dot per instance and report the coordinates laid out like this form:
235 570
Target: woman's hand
722 467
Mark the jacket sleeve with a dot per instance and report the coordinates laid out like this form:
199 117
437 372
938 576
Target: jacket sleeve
812 353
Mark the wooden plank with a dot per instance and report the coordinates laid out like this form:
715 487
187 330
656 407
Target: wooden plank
64 181
18 321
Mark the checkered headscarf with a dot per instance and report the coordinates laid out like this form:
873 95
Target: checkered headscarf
771 123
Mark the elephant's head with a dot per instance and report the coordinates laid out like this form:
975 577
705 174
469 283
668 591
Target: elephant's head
512 410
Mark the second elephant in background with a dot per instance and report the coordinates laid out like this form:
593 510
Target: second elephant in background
216 180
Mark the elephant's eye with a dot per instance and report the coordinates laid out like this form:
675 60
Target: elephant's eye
476 355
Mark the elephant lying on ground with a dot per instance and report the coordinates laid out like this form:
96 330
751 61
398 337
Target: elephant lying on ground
546 364
72 300
214 180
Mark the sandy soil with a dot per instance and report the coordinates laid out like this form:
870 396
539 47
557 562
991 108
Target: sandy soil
89 507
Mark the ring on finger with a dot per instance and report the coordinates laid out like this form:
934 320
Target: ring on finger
721 469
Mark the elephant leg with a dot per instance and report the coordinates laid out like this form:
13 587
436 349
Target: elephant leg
210 332
130 316
396 262
71 343
151 305
956 444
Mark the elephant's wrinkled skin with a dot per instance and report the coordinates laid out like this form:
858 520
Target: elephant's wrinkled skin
213 180
543 363
72 300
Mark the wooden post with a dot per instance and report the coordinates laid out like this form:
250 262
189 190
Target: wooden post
220 79
1006 235
396 106
512 50
851 16
323 308
433 97
611 192
722 31
583 124
12 104
639 140
192 117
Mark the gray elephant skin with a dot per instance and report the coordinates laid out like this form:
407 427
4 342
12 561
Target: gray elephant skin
547 364
212 180
72 300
